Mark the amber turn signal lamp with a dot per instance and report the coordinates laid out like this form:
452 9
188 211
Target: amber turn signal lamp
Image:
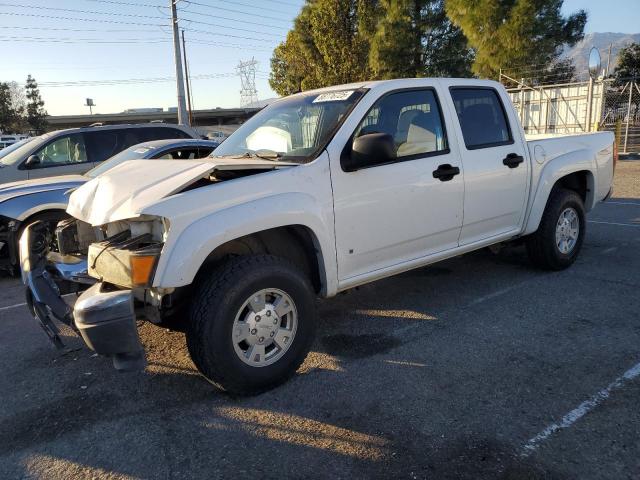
142 267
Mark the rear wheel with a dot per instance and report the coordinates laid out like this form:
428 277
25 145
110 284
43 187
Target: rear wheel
252 323
557 243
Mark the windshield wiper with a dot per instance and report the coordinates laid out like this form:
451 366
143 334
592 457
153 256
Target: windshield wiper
262 154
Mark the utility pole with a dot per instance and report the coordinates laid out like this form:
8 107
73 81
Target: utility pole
182 109
186 74
606 75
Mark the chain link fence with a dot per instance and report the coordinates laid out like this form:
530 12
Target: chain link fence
621 113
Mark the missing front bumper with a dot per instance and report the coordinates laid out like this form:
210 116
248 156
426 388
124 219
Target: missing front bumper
104 319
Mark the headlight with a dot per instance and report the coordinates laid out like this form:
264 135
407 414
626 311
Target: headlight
129 256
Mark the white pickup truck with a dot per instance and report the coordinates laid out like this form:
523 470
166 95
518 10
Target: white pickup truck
318 193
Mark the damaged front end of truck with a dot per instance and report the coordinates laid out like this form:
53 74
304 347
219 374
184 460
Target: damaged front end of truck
108 269
106 256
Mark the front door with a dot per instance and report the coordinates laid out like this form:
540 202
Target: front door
387 215
65 155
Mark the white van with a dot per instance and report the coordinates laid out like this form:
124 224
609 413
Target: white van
7 140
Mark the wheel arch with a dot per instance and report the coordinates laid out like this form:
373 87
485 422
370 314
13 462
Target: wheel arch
296 243
574 171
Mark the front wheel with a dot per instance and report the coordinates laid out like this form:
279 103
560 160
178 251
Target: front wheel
558 240
252 323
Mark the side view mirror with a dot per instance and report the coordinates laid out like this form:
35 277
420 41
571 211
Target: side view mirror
369 150
32 161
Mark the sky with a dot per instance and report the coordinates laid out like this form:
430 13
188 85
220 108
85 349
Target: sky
123 41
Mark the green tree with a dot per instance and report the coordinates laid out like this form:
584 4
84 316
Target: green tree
328 45
415 38
396 47
36 114
628 62
515 32
11 108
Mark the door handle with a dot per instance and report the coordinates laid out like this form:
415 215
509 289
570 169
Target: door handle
513 160
445 172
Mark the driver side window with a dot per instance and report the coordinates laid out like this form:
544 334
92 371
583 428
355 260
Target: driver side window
413 120
66 150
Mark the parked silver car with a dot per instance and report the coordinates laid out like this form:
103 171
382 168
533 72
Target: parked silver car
77 150
22 203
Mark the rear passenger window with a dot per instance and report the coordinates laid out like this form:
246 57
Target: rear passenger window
412 118
162 133
102 145
482 117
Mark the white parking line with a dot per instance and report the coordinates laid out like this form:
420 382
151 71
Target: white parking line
577 413
615 223
12 306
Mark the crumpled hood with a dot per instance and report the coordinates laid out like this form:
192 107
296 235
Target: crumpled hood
37 185
127 189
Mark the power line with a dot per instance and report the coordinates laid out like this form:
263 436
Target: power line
117 22
116 2
131 15
283 3
82 40
87 30
142 41
72 10
131 81
233 2
99 20
198 22
224 10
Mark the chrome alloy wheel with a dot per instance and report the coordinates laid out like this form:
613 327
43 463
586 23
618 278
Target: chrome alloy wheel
264 327
567 231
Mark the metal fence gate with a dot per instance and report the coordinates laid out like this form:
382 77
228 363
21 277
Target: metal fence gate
609 105
621 114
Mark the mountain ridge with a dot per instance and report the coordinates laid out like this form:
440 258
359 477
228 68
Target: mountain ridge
579 53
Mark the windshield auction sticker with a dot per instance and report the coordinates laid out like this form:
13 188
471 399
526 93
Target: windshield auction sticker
334 96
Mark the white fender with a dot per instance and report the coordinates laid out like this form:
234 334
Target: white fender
187 253
554 170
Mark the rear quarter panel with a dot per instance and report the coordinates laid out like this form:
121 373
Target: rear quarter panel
554 157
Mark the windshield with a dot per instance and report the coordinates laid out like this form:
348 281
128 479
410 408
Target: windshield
14 152
294 129
132 153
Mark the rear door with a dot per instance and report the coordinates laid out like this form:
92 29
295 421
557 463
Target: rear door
496 169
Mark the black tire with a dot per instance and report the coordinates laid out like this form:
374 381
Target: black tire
218 298
541 245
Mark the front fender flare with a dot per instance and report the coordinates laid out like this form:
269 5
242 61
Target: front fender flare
554 170
183 255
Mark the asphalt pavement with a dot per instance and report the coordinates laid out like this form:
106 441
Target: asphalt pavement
477 367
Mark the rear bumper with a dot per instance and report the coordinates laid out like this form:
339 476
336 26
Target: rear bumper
104 319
